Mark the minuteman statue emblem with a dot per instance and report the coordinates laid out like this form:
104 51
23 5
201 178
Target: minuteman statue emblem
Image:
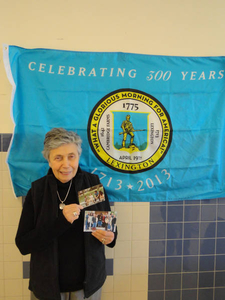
129 131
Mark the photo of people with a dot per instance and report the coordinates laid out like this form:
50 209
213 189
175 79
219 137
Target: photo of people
91 196
104 220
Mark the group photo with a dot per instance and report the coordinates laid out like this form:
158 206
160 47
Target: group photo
91 196
104 220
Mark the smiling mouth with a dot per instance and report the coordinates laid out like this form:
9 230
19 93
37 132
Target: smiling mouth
65 173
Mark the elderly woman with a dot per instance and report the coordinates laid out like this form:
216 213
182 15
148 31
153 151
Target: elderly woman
66 263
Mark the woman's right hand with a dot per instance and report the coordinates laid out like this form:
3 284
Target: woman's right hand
72 212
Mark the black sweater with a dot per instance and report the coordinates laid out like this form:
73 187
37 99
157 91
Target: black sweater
43 232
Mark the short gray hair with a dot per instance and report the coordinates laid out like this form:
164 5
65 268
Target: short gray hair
57 137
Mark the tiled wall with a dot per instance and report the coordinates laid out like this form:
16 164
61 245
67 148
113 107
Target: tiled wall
165 250
187 250
12 284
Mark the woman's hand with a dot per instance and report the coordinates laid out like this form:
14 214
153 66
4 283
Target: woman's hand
72 212
105 237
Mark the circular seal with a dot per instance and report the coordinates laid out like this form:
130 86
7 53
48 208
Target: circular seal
129 131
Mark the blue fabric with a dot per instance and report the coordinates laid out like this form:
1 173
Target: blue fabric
175 149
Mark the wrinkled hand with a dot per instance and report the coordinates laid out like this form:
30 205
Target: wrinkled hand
72 212
105 237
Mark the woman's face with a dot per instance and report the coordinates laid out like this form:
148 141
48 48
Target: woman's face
64 162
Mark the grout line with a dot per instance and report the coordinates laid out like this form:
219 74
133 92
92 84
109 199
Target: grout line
199 247
182 251
165 253
215 251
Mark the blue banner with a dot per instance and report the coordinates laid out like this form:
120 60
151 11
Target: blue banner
152 126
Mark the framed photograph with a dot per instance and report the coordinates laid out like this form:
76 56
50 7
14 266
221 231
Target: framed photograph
91 195
103 220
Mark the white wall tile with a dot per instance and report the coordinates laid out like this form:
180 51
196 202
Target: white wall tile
118 204
11 253
108 285
139 266
2 289
1 234
4 164
123 249
124 214
9 233
1 158
13 287
140 214
11 216
107 296
17 298
139 295
140 248
122 266
125 232
1 270
6 180
5 120
1 216
122 296
26 257
1 178
10 200
1 199
122 283
146 205
139 283
13 270
1 252
140 231
26 291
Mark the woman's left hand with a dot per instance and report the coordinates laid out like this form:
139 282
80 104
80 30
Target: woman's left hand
105 237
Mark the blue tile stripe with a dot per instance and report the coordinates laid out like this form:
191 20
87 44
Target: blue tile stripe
187 250
5 139
26 268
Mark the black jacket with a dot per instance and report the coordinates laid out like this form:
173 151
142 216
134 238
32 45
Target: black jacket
38 231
